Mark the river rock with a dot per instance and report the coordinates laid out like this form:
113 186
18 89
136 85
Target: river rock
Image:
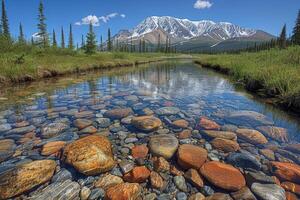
258 177
191 156
124 191
118 113
62 176
223 175
59 190
268 153
82 123
163 145
180 183
208 124
276 133
219 196
5 127
107 181
181 123
28 176
137 175
167 111
268 191
52 147
20 131
160 164
194 178
243 160
85 193
103 122
146 123
220 134
90 155
243 194
292 187
156 180
225 145
139 151
248 119
7 149
53 129
197 196
290 196
251 136
286 171
88 130
295 148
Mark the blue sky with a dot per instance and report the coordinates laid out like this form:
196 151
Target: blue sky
268 15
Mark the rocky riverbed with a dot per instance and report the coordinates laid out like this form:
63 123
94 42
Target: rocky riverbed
123 143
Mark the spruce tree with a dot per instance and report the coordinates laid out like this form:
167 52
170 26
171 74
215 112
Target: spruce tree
42 27
296 31
62 38
144 45
282 38
131 45
140 46
4 22
91 43
82 42
71 45
21 38
109 43
54 42
158 43
101 43
167 45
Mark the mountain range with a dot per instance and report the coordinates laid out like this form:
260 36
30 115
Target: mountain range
190 35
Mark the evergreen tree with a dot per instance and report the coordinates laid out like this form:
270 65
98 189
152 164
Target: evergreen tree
158 43
296 31
21 38
167 45
71 45
91 43
101 43
42 27
82 42
32 41
54 42
282 38
131 45
109 43
4 22
62 38
144 45
140 46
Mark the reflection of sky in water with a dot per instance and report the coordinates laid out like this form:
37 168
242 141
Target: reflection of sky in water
195 90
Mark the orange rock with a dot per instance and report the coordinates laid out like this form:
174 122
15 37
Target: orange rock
225 145
219 196
252 136
290 196
175 171
90 155
286 171
137 175
146 123
180 123
191 156
194 177
160 164
185 134
223 175
292 187
140 151
82 123
107 181
156 180
276 133
52 148
124 191
207 124
118 113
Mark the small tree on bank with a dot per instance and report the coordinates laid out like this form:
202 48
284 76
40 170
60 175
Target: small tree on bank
21 38
109 42
54 42
62 38
91 43
42 27
71 45
282 38
296 31
4 22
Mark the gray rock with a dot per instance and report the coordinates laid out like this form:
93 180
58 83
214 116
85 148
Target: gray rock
96 194
163 145
164 197
5 127
181 196
131 140
151 196
53 129
62 176
180 183
167 111
244 160
85 193
126 166
258 177
268 191
20 131
103 122
59 190
243 194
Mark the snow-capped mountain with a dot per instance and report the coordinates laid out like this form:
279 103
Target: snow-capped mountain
189 35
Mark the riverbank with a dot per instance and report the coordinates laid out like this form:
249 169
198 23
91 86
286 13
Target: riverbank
19 68
273 74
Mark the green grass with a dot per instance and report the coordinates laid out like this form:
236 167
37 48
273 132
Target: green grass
276 72
17 66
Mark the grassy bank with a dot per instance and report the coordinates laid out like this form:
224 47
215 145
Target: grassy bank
274 73
37 64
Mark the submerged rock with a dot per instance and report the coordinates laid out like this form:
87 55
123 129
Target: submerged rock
7 149
53 129
276 133
167 111
220 134
225 145
286 171
191 156
124 191
251 136
146 123
108 181
118 113
268 191
248 119
243 160
207 124
163 145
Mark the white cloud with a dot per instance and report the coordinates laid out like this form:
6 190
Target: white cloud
202 4
96 20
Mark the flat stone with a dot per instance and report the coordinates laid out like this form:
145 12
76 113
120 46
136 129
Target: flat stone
223 175
53 129
82 123
194 178
243 160
124 191
191 156
156 181
268 153
268 191
197 196
163 145
167 111
59 190
84 114
185 134
293 148
7 149
88 130
62 176
29 175
248 119
208 124
180 183
90 155
225 145
118 113
5 127
252 136
181 123
219 196
258 177
107 181
52 147
137 175
276 133
20 131
146 123
286 171
243 194
292 187
220 134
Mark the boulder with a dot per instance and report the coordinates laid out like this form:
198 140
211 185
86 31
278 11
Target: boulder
146 123
24 177
251 136
268 191
191 156
223 175
90 155
163 145
124 191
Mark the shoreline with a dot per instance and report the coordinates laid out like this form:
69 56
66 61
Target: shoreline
255 88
